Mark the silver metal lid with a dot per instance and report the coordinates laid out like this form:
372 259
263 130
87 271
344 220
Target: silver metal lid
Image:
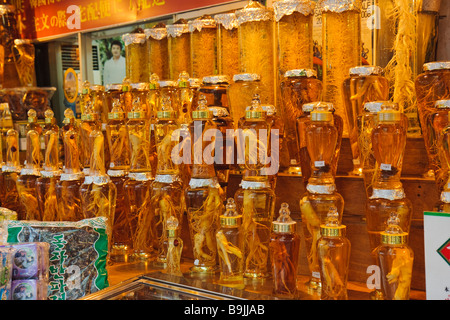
287 7
130 38
200 23
373 106
366 71
309 73
254 11
156 33
339 5
227 20
246 77
216 79
436 65
176 30
219 111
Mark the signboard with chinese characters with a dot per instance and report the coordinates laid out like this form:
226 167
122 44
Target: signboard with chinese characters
44 19
437 255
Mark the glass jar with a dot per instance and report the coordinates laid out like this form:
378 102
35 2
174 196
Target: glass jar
10 32
255 200
168 91
240 94
256 47
113 91
388 144
227 44
174 247
90 121
365 84
158 50
444 143
136 56
294 29
185 97
299 86
395 259
230 247
203 34
301 124
214 88
284 254
179 48
341 43
24 59
334 258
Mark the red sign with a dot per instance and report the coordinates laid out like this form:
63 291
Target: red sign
444 251
41 19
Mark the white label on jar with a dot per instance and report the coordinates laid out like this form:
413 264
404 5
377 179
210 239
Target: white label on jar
319 163
385 166
316 274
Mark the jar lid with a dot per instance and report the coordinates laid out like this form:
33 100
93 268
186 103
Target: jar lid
183 80
157 32
394 235
284 222
332 227
308 107
91 116
220 112
373 106
113 87
172 224
216 79
19 42
389 116
309 73
230 218
97 87
227 20
177 29
255 110
194 82
167 83
198 24
436 65
167 114
246 77
366 71
339 5
140 86
202 112
442 104
321 115
154 82
287 7
134 38
254 11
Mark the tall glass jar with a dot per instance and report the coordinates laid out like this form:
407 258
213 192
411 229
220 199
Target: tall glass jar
395 258
341 43
230 247
158 50
321 137
112 91
136 56
203 34
179 48
284 254
90 121
388 143
174 247
214 88
365 84
185 97
227 44
444 202
10 31
256 34
24 59
97 98
240 94
299 86
255 200
294 25
334 258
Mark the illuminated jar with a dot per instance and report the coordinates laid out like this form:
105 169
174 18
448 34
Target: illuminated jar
203 196
158 51
97 98
227 44
203 34
50 173
298 86
214 88
230 247
431 85
141 91
112 91
26 182
294 29
179 48
168 90
334 258
90 120
388 144
185 97
24 59
341 43
256 46
321 136
284 254
174 247
255 200
365 84
395 259
10 32
153 97
240 94
136 56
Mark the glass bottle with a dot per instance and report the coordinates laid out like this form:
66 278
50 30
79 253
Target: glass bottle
167 194
179 48
185 96
240 94
97 192
284 253
50 173
168 90
227 44
118 142
10 173
334 258
364 84
341 43
395 259
203 196
26 182
97 98
90 121
137 187
24 58
214 88
136 56
71 178
203 34
388 144
153 97
256 46
294 29
158 50
431 85
322 139
112 91
230 247
298 87
255 200
174 247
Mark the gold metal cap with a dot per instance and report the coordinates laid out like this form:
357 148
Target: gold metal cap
284 222
387 238
335 231
442 104
256 114
389 116
167 114
202 114
230 222
323 116
136 115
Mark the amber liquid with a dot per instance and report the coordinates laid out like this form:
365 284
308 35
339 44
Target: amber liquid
10 198
47 198
232 268
179 55
240 95
203 52
69 200
26 188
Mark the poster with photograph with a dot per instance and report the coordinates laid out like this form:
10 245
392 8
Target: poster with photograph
112 60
